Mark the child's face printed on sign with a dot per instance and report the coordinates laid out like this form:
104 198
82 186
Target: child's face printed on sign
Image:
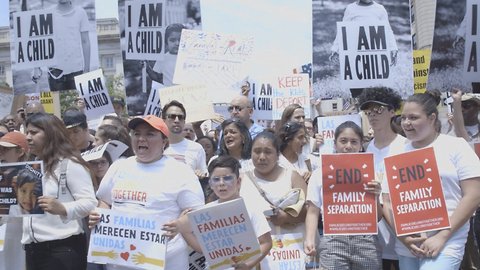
173 41
26 197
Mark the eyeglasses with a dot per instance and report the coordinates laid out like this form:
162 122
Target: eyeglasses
375 110
173 116
100 163
227 179
236 108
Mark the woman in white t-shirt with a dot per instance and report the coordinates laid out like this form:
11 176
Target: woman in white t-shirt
292 138
168 187
459 169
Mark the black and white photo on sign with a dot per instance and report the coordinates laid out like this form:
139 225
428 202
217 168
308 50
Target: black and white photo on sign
454 59
150 33
358 44
51 43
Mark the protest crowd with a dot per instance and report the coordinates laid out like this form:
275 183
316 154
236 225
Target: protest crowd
265 180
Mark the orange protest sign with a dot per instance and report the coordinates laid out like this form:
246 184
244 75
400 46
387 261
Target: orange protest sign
477 149
416 192
347 207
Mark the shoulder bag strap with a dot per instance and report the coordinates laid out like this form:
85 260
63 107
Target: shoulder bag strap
252 177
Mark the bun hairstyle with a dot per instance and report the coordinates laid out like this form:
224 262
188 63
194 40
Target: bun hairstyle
287 132
429 102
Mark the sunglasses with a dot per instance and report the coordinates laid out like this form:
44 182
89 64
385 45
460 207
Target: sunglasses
236 108
173 116
375 110
216 180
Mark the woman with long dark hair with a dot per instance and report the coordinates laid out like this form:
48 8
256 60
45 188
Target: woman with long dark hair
57 240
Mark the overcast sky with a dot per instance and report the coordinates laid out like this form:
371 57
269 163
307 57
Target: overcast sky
104 9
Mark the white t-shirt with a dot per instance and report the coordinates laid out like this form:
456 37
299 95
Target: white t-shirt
188 152
456 161
387 236
68 41
300 166
162 188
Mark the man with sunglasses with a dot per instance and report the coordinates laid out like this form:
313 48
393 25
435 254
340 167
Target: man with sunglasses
241 109
379 105
186 151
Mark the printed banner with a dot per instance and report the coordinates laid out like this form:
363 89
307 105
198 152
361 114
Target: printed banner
327 126
145 29
347 207
20 187
51 43
114 149
33 38
261 95
195 98
128 239
471 63
454 61
421 63
286 253
49 100
212 58
291 89
366 53
357 45
92 88
225 233
416 192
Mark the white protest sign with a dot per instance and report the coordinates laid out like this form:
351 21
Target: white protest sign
114 148
212 58
261 95
145 29
3 229
291 89
33 39
225 233
286 253
153 103
471 66
364 53
327 126
128 239
91 87
195 99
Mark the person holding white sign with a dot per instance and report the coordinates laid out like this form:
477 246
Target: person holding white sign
341 251
459 170
151 183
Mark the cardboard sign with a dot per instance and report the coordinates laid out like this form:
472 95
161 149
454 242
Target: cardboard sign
471 63
145 29
212 58
114 148
347 207
261 95
286 253
33 38
327 126
291 89
92 88
128 239
416 192
225 233
421 63
195 98
20 187
364 53
477 149
49 100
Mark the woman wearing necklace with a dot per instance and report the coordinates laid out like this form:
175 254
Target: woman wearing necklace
459 170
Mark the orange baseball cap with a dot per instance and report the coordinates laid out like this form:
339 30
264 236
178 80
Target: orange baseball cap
155 122
14 139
